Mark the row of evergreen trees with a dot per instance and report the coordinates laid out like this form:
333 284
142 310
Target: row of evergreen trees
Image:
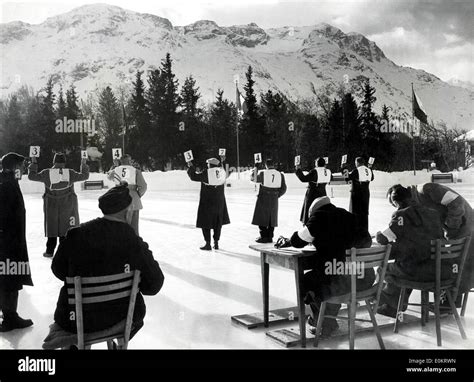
158 121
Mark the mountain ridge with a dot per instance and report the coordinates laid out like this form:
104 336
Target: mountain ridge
97 45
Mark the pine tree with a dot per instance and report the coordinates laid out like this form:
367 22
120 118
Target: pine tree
140 136
353 138
252 124
110 128
221 128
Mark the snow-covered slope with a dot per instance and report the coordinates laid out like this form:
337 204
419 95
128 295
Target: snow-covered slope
97 45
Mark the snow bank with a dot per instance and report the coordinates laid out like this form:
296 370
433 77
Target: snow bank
178 180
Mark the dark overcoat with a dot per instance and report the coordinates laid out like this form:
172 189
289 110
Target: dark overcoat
315 190
97 248
13 249
360 193
456 217
212 210
266 207
60 206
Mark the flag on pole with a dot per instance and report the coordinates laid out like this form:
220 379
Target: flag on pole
240 100
418 110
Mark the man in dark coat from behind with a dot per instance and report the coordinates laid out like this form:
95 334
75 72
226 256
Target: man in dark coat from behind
331 230
317 180
272 187
212 210
360 179
60 206
106 246
13 250
410 231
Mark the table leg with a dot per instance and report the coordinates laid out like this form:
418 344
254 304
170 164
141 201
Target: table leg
300 297
265 286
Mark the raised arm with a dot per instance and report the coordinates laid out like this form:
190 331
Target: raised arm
196 177
309 177
34 176
79 176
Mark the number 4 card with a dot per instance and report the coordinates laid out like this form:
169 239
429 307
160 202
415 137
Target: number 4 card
258 157
117 153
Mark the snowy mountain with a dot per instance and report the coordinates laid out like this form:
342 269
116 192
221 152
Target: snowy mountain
97 45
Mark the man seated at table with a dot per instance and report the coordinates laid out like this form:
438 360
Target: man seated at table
331 230
410 232
103 246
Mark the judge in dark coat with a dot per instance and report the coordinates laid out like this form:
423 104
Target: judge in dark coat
410 232
212 210
13 250
360 194
272 187
457 221
317 180
60 206
331 230
101 247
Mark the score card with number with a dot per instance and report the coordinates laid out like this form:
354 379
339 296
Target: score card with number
258 157
117 153
84 154
371 160
344 159
188 156
222 152
297 160
34 151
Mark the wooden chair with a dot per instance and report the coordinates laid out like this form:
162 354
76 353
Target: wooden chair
464 301
441 250
106 288
368 258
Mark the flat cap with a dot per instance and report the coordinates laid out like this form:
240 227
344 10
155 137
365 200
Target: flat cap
115 200
11 159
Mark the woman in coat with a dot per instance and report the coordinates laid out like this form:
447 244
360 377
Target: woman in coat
60 206
212 210
13 250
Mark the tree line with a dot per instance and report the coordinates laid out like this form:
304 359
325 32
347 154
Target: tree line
160 120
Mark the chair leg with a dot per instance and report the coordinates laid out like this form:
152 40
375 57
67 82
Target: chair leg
456 315
464 303
374 323
110 344
427 310
87 347
399 315
437 298
121 344
319 325
352 314
423 306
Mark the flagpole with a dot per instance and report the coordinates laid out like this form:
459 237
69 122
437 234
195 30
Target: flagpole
413 126
237 131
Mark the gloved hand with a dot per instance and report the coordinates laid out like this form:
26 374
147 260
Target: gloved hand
282 242
381 238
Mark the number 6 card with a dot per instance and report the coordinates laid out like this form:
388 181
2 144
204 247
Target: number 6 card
188 156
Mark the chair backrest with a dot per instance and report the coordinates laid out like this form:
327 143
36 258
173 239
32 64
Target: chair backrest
100 289
450 250
376 256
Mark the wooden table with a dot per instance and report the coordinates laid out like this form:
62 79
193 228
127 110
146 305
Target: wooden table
298 260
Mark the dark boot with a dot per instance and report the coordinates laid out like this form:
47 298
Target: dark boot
13 321
207 247
216 244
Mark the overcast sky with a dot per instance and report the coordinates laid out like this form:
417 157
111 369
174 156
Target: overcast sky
434 35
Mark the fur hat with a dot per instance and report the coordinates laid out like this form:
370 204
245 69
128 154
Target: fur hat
59 158
115 200
318 203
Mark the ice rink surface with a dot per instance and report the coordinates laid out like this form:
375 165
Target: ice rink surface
202 290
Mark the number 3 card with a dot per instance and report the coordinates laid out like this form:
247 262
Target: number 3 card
34 151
